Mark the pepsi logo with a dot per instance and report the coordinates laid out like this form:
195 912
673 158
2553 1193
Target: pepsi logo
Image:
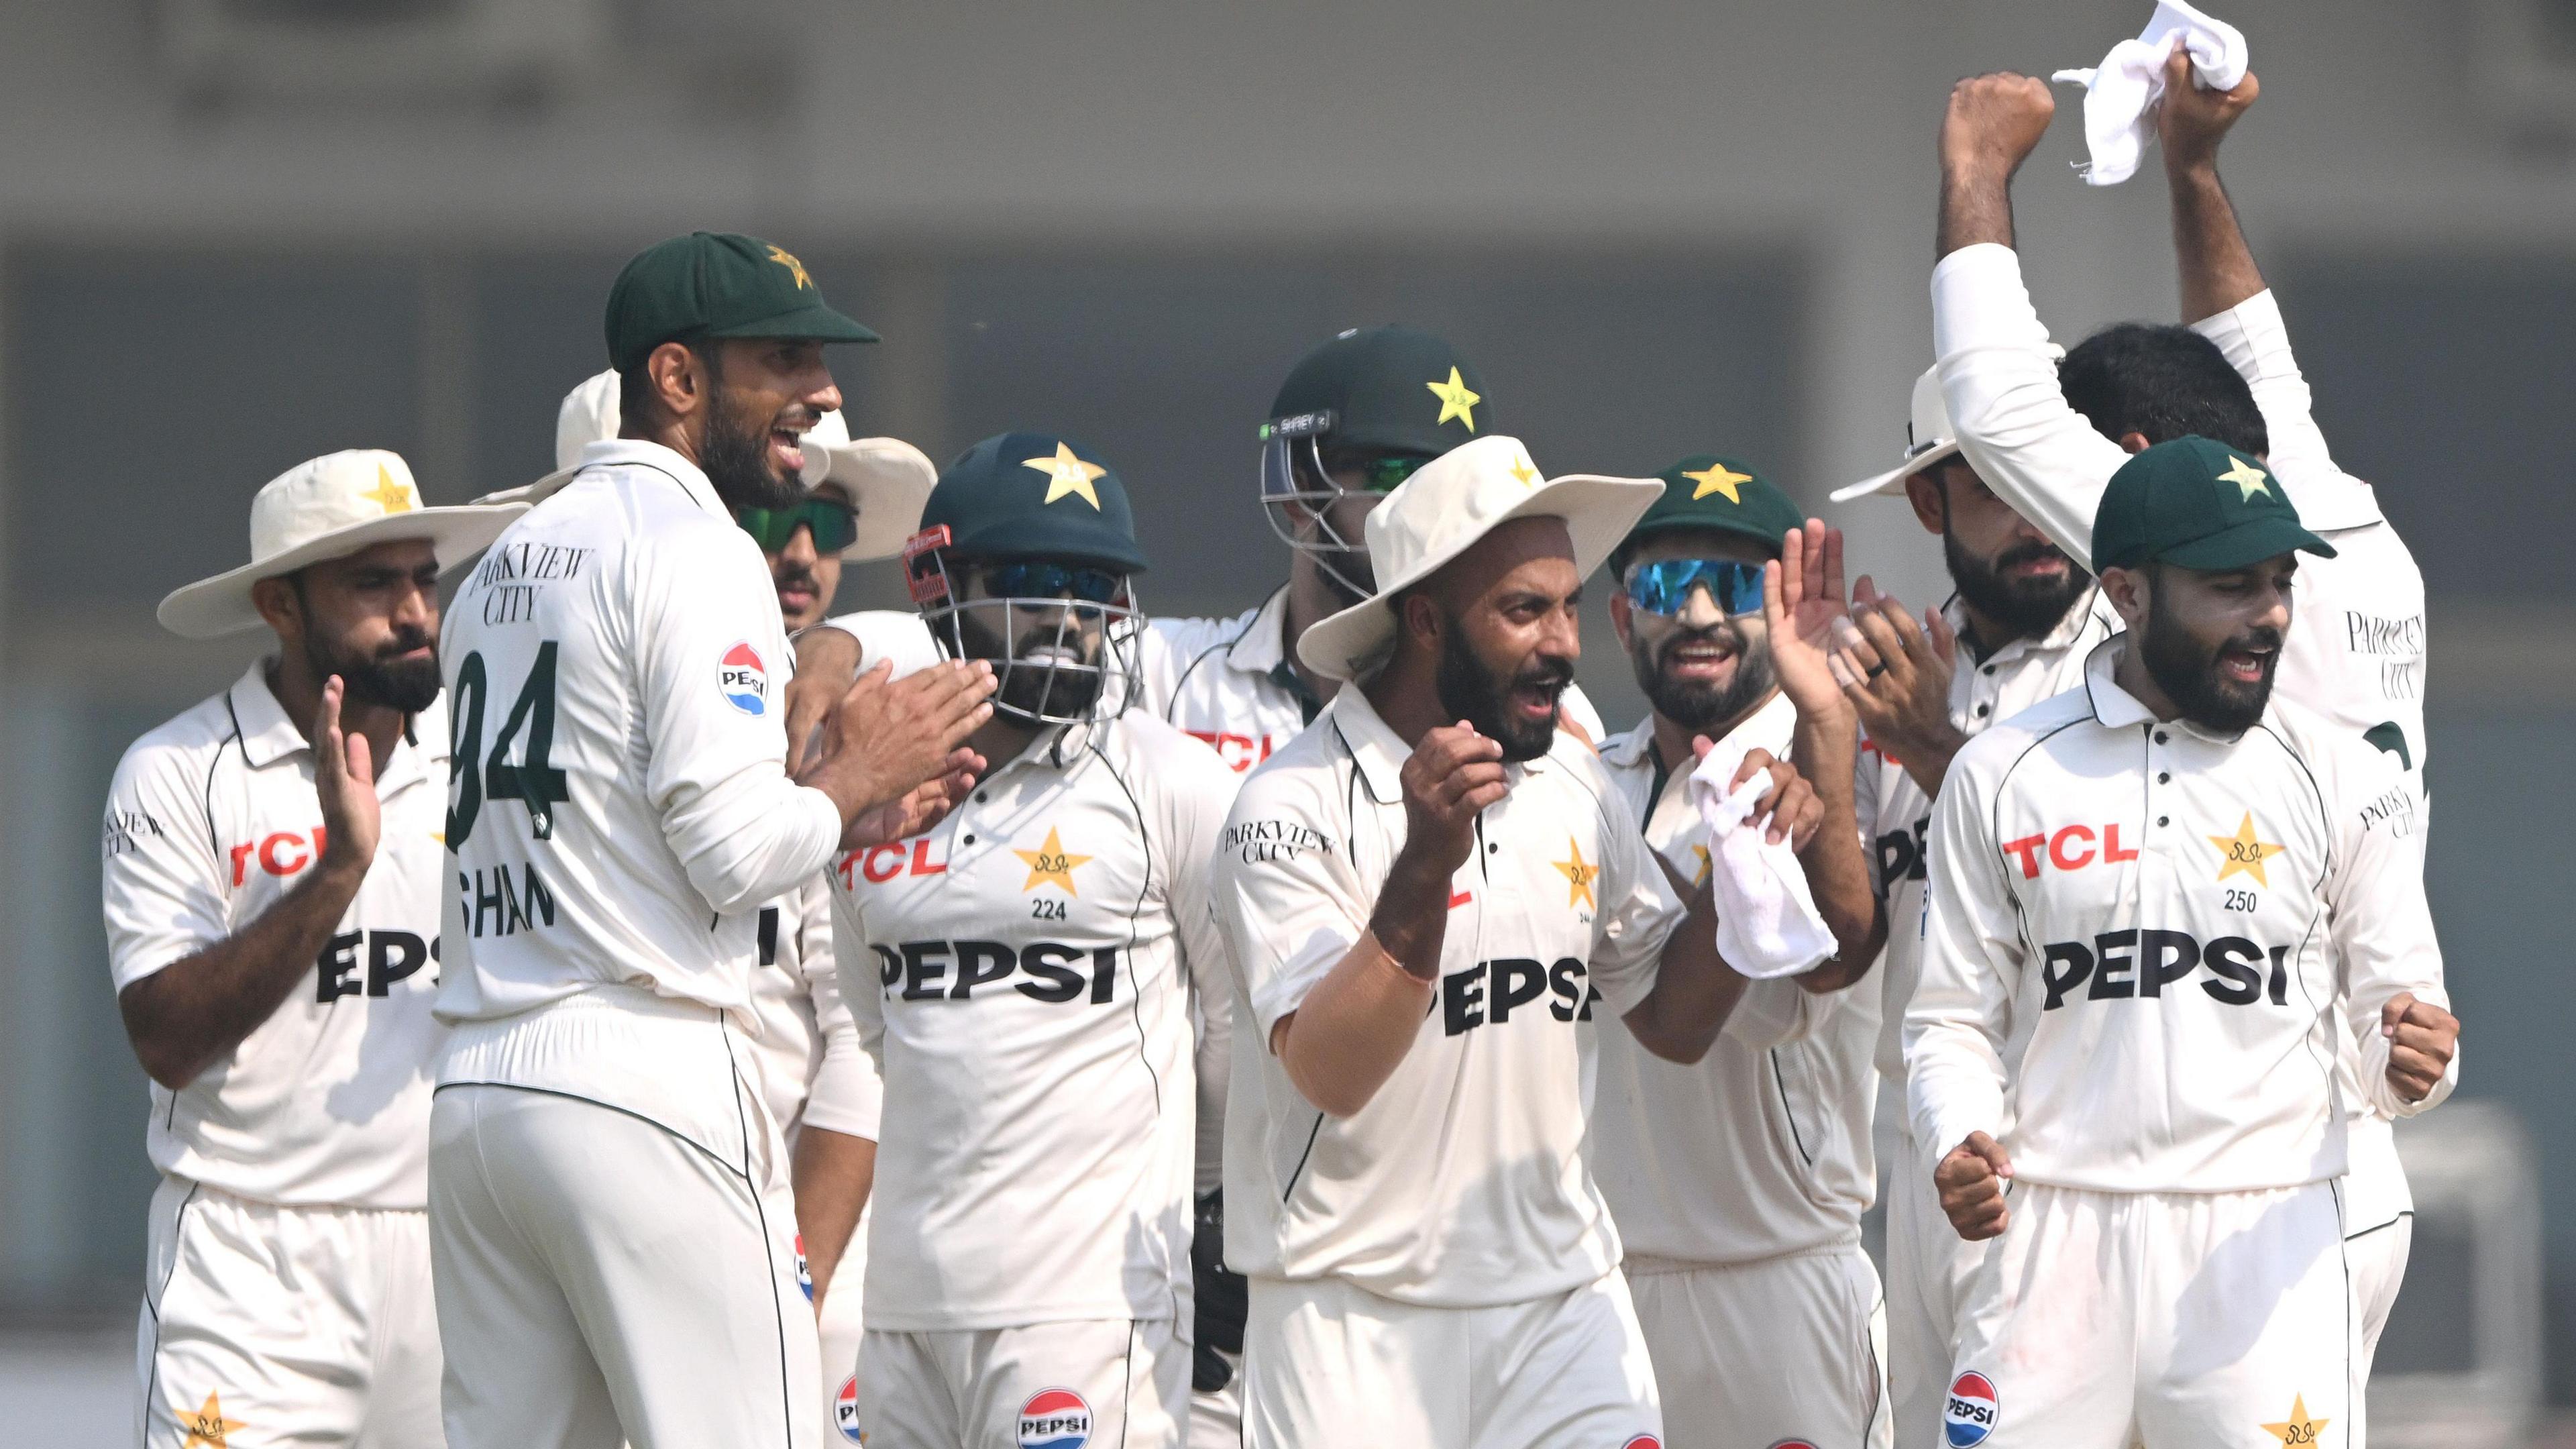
744 679
1969 1415
804 1274
845 1411
1055 1419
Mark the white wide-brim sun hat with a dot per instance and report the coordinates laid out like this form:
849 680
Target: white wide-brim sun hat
1442 510
887 479
1929 438
325 508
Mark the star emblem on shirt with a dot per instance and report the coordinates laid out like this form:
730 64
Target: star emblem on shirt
1579 874
1051 863
389 495
2245 854
1067 475
208 1428
794 267
2247 478
1456 401
1718 478
2298 1428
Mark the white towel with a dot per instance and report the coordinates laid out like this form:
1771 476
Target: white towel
1767 924
2122 91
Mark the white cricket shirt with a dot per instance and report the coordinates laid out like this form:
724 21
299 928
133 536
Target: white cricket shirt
2355 650
2139 932
812 1068
617 664
1023 973
1761 1147
1896 815
1462 1183
210 819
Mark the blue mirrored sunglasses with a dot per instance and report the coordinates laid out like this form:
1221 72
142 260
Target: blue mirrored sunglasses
1051 581
1664 587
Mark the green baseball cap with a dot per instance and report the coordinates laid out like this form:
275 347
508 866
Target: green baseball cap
716 284
2196 504
1709 491
1030 496
1391 389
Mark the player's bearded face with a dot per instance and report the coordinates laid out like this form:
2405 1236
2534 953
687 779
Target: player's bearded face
746 442
386 657
2214 666
2027 586
1501 699
1700 678
1044 637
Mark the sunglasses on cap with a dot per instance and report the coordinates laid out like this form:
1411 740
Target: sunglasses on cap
1052 581
1664 587
835 525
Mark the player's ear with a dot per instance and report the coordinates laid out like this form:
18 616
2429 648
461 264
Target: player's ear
1931 502
280 607
2127 590
1418 615
679 381
1620 621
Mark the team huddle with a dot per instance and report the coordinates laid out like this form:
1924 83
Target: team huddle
627 1005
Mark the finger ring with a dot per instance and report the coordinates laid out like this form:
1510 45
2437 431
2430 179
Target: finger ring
1876 670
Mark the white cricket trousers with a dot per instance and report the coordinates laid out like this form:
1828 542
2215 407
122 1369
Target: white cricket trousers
266 1325
2379 1225
1083 1384
1781 1350
1329 1364
2170 1320
1928 1268
607 1280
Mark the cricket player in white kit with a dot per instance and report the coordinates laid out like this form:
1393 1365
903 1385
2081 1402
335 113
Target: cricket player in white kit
1025 973
2358 656
862 498
1738 1182
271 875
2151 898
608 1191
2026 616
1423 895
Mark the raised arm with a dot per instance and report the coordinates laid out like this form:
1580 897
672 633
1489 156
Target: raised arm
1801 599
2216 267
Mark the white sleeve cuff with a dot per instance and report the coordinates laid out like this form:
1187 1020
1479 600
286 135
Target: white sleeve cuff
1979 301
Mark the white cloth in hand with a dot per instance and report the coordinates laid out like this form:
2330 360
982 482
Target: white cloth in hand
2120 94
1767 924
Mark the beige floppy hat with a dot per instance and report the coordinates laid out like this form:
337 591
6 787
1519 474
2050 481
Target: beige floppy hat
1440 512
887 478
1929 441
324 508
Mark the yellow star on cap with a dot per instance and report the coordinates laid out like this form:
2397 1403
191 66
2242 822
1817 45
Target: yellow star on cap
1525 471
389 495
2298 1428
1578 873
2247 478
2245 853
1718 479
1067 474
1455 400
1049 862
208 1427
780 255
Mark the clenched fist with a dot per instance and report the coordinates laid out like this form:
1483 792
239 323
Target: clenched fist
1971 1183
1993 124
2421 1040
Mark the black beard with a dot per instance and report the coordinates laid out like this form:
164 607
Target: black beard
2189 674
381 679
1701 707
1037 689
734 455
1469 691
2029 607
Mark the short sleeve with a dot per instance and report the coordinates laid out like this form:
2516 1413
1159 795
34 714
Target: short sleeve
1287 897
162 886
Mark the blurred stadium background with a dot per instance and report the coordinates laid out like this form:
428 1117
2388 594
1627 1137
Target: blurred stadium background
238 233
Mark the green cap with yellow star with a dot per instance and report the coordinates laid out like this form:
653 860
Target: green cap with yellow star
1021 496
1709 491
2196 504
716 284
1393 390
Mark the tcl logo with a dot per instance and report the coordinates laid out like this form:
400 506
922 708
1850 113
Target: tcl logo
283 853
2069 847
1240 752
882 863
